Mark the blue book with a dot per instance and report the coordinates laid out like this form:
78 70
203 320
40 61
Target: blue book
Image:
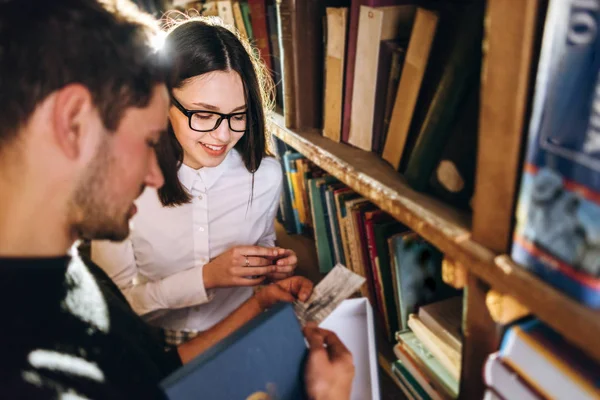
264 357
557 234
285 202
336 235
318 208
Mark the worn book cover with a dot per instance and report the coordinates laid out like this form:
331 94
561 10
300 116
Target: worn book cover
263 359
557 234
375 25
335 56
351 55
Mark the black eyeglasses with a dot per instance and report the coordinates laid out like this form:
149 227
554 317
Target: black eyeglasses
207 121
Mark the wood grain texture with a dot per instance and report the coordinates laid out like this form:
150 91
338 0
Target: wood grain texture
481 338
511 29
448 230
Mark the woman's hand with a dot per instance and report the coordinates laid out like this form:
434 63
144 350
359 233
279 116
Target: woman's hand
287 290
240 266
286 263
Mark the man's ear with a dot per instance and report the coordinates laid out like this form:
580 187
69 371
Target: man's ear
74 117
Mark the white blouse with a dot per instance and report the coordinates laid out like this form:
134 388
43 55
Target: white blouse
159 267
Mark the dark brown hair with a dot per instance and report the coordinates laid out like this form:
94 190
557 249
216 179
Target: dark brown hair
198 46
46 45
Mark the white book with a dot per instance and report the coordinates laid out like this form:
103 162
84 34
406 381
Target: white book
374 25
225 10
507 383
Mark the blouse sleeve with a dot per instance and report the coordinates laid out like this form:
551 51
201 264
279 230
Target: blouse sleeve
180 290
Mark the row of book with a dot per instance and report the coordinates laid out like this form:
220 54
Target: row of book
399 79
411 89
535 362
403 272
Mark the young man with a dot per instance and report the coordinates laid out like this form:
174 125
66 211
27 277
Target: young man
82 105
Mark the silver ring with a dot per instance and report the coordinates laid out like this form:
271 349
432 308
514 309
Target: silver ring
247 261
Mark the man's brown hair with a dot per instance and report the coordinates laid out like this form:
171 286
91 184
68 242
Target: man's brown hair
48 44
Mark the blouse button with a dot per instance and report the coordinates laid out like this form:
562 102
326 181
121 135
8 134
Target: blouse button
199 197
201 229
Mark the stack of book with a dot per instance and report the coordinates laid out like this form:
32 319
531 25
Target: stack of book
402 270
429 351
534 362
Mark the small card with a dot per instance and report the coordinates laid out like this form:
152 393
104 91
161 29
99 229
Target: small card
339 284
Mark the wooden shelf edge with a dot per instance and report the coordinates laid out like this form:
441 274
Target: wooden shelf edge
449 232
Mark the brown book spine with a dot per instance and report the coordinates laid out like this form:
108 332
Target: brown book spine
258 13
286 41
511 33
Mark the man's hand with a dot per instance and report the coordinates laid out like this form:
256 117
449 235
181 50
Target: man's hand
329 370
288 290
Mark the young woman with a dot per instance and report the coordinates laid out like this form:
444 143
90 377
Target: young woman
203 240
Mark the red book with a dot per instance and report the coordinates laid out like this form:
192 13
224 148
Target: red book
359 215
351 56
371 218
258 15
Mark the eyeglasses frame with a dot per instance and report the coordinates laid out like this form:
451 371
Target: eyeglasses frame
190 113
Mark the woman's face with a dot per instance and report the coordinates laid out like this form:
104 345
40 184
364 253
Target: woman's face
218 91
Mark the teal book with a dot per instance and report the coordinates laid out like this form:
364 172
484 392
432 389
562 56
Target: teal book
332 214
428 363
382 232
286 211
460 74
324 251
247 20
263 359
328 228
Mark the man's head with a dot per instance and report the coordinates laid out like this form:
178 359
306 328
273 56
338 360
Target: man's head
82 103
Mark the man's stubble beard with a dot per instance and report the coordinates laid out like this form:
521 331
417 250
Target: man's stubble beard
94 211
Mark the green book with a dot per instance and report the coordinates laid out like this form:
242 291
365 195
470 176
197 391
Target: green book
324 250
422 356
460 73
402 373
247 20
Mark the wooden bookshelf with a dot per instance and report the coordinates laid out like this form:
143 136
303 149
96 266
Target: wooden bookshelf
447 229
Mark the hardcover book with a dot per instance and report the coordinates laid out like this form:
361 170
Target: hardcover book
263 358
558 213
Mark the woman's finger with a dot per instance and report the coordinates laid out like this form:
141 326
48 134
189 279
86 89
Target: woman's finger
291 260
255 262
252 271
257 251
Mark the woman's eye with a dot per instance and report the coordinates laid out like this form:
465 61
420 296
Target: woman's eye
205 116
241 117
